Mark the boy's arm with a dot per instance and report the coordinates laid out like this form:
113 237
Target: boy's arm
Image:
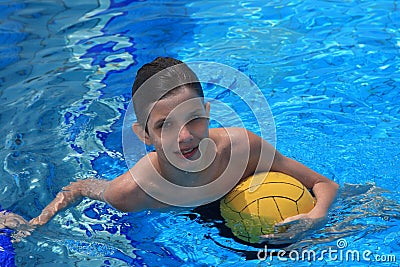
91 188
122 193
323 188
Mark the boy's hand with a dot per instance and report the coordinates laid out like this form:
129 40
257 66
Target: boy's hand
314 214
15 222
293 229
11 220
296 227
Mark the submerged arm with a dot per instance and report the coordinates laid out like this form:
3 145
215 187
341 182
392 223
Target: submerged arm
121 193
75 191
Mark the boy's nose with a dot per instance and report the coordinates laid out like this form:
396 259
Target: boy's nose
184 135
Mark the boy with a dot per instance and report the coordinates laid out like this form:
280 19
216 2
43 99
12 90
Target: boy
172 116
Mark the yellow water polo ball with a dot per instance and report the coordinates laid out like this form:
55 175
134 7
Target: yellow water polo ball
256 204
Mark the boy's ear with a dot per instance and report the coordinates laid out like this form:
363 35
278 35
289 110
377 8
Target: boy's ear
207 107
141 133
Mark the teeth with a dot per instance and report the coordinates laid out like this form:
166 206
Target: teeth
187 151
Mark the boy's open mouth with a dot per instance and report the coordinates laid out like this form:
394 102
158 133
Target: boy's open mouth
188 153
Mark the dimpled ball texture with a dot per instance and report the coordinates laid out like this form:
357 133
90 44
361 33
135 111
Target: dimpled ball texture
256 204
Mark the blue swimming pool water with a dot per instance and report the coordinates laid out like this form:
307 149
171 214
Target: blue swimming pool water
330 73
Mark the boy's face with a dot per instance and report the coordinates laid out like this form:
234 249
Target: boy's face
176 126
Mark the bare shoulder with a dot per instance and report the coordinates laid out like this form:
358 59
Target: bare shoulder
233 137
242 143
119 192
233 142
125 194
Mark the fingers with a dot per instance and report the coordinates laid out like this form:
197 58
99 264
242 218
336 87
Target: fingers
18 235
294 218
279 239
291 235
292 230
11 220
288 231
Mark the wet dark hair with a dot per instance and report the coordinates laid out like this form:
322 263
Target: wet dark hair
159 79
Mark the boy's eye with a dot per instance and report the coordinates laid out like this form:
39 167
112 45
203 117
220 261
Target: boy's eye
193 118
197 118
167 124
164 124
